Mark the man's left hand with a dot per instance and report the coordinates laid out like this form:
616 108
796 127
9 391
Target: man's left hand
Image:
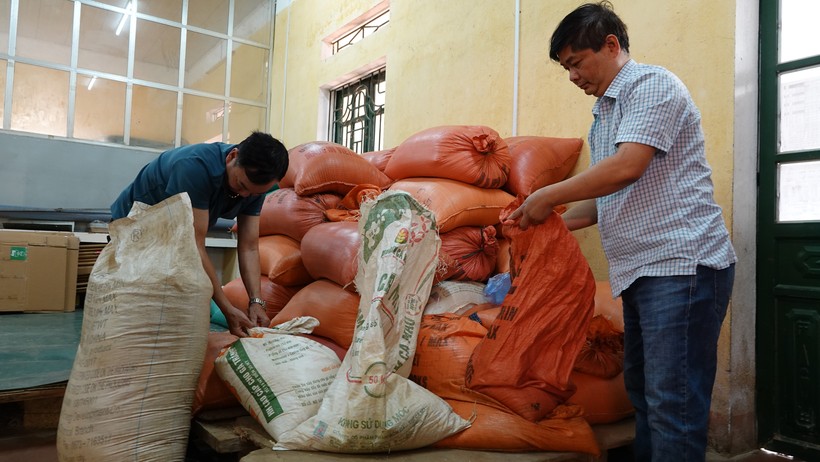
258 316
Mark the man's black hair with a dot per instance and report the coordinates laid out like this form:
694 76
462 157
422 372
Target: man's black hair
587 27
263 157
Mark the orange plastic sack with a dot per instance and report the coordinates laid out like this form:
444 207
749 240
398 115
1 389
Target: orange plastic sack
603 400
472 154
445 344
280 257
528 354
379 159
606 306
603 353
348 209
496 429
468 253
321 167
285 212
454 203
503 261
276 296
537 161
331 250
211 391
484 313
334 307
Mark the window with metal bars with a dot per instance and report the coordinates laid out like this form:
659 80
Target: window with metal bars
357 118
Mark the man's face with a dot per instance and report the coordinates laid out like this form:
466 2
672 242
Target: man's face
238 181
591 71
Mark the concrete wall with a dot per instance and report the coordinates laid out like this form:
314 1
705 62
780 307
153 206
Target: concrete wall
44 172
456 62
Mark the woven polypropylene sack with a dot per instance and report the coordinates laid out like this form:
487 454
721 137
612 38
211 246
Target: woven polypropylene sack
454 297
145 327
603 352
468 253
328 302
603 400
278 376
280 258
322 167
538 161
473 154
379 159
454 203
285 212
329 251
372 406
444 347
608 307
211 391
496 428
529 352
276 296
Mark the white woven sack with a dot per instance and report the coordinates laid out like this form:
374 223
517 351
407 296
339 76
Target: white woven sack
371 406
455 297
278 377
145 327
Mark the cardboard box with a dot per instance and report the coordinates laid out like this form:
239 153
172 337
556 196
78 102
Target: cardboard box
38 270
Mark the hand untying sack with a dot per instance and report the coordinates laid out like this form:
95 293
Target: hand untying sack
528 354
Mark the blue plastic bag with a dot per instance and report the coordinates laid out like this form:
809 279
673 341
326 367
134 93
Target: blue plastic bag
497 288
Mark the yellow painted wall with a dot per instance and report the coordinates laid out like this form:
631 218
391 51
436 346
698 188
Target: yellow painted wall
452 62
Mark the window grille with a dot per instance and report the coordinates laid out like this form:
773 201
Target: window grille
366 29
357 118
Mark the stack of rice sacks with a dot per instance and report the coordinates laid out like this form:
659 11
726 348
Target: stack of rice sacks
465 175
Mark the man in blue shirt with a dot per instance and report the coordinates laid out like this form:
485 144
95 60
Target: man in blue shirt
649 189
223 181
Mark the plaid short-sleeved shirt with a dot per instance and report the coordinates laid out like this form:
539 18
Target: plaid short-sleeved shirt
666 223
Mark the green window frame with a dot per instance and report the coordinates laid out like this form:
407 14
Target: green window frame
357 115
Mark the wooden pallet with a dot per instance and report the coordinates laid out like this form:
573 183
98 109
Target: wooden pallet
89 251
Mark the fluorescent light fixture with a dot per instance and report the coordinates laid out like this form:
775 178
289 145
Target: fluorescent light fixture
91 83
131 6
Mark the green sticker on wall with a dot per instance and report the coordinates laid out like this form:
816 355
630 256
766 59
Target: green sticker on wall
19 253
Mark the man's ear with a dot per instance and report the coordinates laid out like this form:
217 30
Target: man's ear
231 155
612 44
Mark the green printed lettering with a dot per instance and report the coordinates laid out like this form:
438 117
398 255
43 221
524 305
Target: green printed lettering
251 379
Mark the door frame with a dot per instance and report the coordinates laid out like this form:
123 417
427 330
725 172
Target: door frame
780 294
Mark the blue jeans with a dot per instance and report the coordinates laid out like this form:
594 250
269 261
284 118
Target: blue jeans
671 329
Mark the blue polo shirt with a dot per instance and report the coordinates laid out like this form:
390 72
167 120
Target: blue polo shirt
199 170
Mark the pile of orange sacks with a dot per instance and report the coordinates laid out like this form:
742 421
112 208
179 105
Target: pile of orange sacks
467 176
